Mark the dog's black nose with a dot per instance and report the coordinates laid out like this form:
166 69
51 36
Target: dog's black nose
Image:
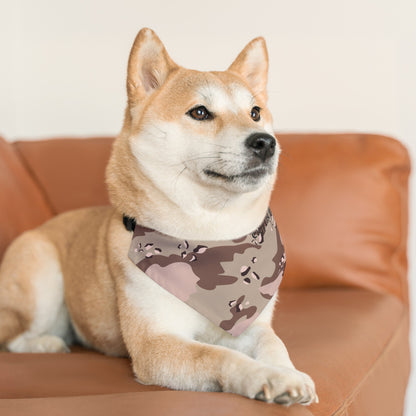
262 145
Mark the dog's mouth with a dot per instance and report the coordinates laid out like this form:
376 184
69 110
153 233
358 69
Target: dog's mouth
251 174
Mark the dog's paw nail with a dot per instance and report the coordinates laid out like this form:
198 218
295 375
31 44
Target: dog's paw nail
316 398
305 402
260 396
284 399
264 395
294 394
267 393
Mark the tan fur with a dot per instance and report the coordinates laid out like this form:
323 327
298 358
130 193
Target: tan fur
17 300
72 274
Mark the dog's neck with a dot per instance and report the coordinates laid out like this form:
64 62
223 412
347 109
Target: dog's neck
198 216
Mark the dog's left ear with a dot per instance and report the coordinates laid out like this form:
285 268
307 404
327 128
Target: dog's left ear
252 64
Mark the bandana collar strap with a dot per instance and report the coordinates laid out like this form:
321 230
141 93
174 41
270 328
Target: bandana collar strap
229 282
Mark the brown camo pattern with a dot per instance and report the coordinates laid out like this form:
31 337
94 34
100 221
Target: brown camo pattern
229 282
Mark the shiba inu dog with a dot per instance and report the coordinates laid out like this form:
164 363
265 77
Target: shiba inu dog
195 160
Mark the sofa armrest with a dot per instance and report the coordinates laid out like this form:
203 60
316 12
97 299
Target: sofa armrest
341 205
22 205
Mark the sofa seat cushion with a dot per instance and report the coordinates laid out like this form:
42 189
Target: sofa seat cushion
353 343
341 337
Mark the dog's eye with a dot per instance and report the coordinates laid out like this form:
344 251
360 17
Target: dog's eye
200 113
255 113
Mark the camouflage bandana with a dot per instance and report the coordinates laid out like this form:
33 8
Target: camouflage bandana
229 282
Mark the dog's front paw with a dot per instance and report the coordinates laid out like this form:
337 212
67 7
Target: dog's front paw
282 385
287 386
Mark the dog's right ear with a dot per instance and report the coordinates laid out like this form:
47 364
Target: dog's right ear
149 66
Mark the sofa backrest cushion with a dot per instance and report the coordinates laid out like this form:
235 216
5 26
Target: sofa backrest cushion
22 204
340 201
70 171
341 205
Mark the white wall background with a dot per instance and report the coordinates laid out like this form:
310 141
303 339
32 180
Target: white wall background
335 65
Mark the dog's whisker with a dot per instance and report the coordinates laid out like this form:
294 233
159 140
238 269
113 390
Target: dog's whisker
231 153
210 143
202 157
177 177
218 164
195 158
214 156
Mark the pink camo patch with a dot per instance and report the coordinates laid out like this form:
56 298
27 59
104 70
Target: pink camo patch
177 278
271 288
241 326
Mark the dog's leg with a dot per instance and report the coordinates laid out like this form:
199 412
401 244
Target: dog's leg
261 343
177 363
174 361
33 317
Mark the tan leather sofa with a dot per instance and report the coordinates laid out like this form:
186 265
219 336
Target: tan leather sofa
341 205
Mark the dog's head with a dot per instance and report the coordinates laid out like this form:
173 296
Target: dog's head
192 131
